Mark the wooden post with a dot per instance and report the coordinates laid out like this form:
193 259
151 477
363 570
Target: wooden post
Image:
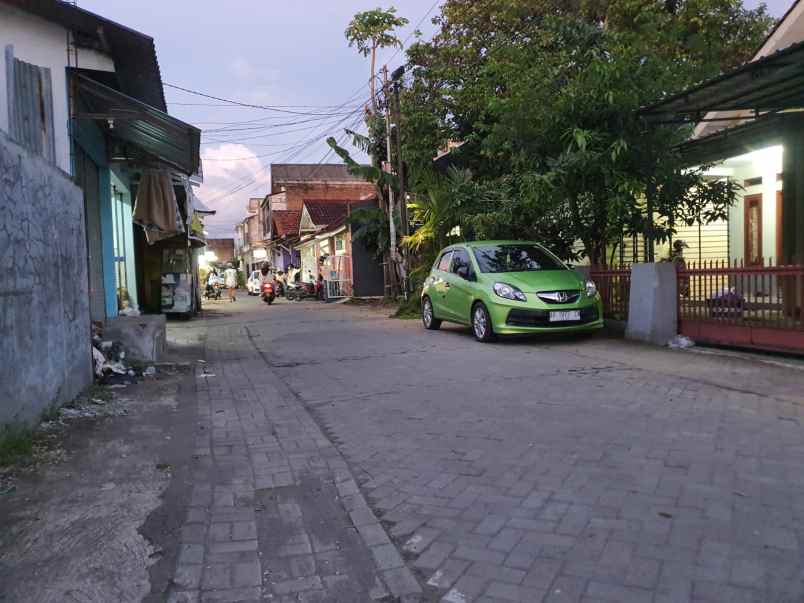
793 212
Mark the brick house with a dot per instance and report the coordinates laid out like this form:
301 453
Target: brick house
327 247
291 185
224 249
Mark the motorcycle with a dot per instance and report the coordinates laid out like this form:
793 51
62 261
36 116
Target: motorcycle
300 291
213 291
268 292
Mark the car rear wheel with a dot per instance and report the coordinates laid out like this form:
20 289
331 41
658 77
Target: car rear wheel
481 323
429 320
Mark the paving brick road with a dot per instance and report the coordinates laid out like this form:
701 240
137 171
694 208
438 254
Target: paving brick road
343 456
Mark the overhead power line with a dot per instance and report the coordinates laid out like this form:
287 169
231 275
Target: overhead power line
413 31
277 108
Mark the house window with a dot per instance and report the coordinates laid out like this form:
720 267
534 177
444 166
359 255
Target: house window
340 244
30 106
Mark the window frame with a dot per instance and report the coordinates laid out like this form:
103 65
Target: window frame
441 258
467 259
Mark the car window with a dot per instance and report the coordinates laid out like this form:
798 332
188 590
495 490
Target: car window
460 258
515 257
443 265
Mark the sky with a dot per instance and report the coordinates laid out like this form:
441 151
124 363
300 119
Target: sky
287 54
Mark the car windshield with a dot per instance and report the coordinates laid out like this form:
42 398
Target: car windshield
515 258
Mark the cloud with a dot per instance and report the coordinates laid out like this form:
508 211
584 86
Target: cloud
242 68
227 167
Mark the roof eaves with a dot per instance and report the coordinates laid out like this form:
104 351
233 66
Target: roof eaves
134 52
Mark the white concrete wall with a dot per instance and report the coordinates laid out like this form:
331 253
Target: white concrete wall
43 43
768 170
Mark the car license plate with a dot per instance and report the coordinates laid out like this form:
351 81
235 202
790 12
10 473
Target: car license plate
565 316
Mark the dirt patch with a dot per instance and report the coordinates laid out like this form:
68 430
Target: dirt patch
71 511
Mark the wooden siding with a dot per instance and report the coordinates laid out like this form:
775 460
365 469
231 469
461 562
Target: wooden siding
707 242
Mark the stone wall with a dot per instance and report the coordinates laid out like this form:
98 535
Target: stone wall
45 345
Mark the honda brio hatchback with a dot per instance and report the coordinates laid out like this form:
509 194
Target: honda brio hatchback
508 288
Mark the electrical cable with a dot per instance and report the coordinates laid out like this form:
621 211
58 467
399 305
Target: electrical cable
410 35
276 108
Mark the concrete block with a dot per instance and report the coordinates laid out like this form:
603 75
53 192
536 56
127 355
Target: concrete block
143 337
653 306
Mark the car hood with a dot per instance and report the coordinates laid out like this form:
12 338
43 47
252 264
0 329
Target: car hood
542 280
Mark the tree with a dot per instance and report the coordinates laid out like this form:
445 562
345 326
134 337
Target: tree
373 29
372 224
545 94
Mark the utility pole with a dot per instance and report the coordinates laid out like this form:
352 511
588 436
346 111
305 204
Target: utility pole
391 203
400 171
403 207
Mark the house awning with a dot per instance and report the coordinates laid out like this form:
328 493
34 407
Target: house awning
158 134
771 84
739 140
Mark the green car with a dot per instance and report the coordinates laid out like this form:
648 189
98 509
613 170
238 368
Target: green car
508 288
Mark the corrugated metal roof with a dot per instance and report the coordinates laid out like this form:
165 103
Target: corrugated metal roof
773 83
155 132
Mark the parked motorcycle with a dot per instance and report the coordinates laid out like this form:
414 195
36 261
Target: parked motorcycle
268 292
300 291
213 291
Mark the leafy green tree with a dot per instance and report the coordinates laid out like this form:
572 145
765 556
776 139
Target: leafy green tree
544 96
373 29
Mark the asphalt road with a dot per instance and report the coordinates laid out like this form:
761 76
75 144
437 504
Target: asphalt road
530 470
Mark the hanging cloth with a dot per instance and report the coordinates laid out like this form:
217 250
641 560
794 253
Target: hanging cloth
156 208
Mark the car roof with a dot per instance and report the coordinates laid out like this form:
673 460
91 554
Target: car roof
472 244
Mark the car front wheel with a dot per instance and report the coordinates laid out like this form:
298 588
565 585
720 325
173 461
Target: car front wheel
429 320
481 323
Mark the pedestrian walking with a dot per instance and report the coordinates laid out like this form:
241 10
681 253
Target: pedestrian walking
230 280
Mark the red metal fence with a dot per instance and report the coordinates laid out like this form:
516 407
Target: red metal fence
730 303
614 285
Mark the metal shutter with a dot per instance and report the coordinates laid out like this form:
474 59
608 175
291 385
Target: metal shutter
30 106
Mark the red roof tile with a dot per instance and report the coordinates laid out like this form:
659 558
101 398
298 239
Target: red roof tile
286 222
326 212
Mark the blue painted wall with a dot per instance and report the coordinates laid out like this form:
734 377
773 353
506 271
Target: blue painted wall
122 181
93 142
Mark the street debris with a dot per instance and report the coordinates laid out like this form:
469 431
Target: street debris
109 360
680 342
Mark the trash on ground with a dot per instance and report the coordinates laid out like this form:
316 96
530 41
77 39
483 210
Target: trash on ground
680 342
149 371
109 360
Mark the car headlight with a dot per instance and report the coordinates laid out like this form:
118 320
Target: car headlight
591 289
509 292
